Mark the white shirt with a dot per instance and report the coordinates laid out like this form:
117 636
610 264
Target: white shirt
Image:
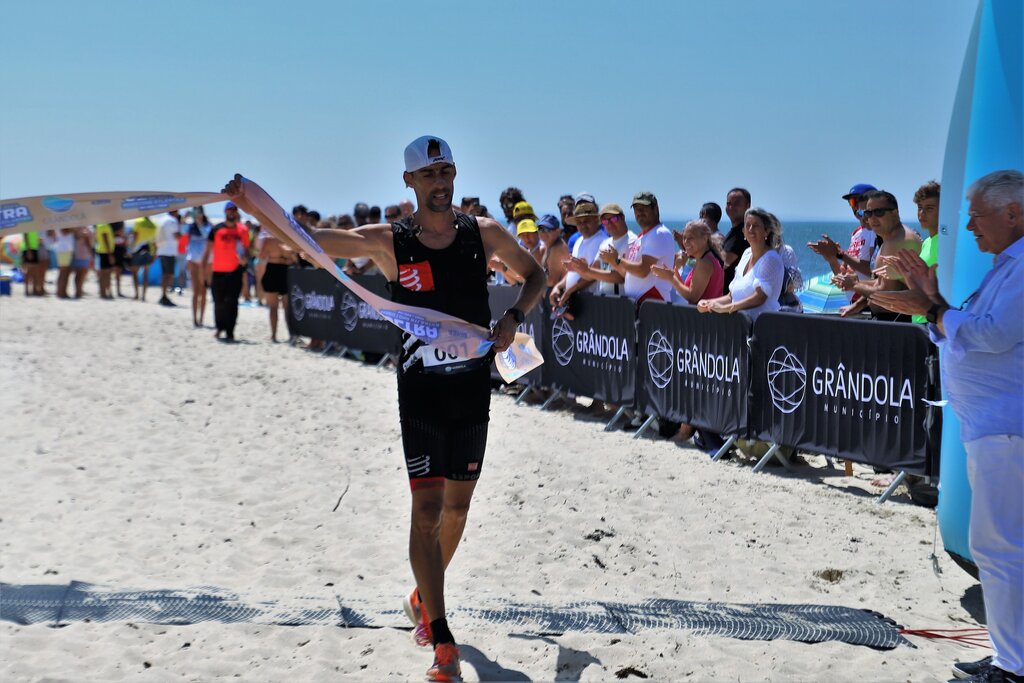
862 244
167 236
620 245
656 242
585 248
767 274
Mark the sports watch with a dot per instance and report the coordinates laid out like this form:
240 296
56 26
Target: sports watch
516 314
932 316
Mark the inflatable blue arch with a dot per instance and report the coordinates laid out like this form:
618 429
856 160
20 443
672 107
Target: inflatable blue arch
986 133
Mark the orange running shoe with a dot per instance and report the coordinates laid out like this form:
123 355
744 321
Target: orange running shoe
446 663
414 609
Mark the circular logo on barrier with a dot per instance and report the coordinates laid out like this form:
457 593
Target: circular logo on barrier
659 359
787 380
297 301
349 311
563 341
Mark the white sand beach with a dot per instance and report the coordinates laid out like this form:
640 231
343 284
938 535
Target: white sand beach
139 453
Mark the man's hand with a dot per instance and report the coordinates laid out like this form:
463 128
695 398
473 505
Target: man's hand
235 190
909 301
916 273
555 295
608 255
851 309
576 265
846 279
503 333
826 247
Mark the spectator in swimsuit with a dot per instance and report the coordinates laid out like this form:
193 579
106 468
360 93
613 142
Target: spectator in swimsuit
65 248
82 259
883 216
554 250
198 232
120 255
276 257
705 280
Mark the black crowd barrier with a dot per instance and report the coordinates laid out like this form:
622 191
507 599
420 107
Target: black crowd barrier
502 298
858 390
595 353
694 367
855 390
322 308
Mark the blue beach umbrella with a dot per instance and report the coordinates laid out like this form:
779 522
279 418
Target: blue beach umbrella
821 296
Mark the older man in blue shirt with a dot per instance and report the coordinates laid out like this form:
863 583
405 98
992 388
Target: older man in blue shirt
983 375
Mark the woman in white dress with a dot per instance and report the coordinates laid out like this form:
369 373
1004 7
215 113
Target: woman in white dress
759 273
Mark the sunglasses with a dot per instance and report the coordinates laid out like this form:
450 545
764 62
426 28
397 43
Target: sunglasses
389 216
868 213
611 219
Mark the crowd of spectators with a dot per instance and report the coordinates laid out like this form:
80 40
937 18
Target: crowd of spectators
582 246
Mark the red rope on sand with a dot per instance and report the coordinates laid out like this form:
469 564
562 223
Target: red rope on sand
968 636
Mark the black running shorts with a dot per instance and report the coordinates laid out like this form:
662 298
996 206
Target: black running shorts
435 451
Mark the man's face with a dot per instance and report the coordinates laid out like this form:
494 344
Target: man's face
506 207
434 186
994 230
405 206
587 225
928 214
529 240
735 206
565 209
859 206
646 215
713 223
614 224
231 216
548 235
886 223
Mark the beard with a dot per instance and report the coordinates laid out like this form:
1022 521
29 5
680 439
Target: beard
438 207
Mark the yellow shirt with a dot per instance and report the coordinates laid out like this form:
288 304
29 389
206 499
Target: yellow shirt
145 231
104 229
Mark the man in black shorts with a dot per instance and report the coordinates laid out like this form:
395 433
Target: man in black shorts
437 258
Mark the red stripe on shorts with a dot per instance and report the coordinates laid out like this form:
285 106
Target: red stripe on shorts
426 483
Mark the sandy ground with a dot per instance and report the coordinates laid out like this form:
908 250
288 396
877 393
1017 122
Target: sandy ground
140 453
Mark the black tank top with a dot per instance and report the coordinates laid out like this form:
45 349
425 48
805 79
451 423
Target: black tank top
452 280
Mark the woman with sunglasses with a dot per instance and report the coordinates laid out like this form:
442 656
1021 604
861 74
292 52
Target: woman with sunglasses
706 279
759 273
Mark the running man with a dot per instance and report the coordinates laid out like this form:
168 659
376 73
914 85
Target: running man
436 258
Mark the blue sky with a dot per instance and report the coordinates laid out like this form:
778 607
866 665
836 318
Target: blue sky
794 99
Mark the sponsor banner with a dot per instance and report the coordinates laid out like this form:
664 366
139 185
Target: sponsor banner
314 299
447 334
362 327
450 335
595 353
321 308
858 390
694 367
52 212
503 297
